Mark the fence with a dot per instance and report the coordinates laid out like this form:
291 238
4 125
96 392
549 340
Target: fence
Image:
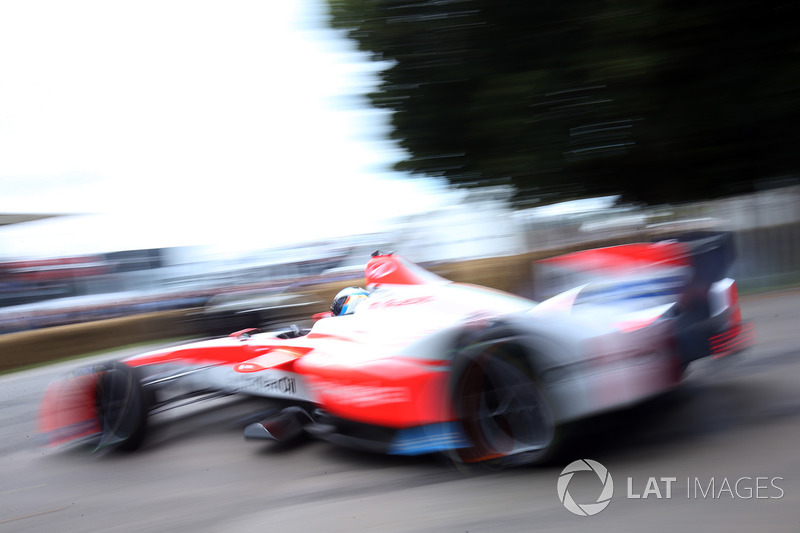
766 228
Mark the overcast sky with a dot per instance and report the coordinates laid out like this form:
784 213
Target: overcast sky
197 118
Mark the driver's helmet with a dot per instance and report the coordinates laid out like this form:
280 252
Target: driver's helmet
347 300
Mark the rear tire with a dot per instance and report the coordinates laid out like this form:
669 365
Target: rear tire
502 409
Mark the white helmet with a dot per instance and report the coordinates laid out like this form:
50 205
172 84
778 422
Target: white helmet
347 300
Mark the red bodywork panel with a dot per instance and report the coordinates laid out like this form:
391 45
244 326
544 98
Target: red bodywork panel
393 392
282 353
626 257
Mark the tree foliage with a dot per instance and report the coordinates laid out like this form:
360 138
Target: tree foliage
658 100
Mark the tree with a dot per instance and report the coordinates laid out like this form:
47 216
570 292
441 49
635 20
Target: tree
653 99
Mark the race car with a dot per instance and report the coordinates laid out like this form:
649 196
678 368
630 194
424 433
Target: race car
417 364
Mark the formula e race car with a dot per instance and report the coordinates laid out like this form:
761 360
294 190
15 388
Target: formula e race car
424 365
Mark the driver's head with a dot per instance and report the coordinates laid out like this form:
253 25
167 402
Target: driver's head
347 300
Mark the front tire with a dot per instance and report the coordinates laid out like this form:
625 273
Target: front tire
121 408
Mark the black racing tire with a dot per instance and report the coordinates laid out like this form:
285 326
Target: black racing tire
503 411
122 408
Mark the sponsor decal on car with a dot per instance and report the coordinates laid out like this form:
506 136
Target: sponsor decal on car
264 383
361 394
384 304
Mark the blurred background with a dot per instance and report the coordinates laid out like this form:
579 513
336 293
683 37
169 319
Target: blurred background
176 168
172 155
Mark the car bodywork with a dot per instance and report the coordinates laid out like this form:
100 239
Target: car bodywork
429 365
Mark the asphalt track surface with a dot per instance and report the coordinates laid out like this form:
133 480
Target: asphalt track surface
734 420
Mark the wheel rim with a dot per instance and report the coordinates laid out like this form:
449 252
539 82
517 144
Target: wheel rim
503 411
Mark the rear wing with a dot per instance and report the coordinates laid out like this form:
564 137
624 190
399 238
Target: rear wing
688 272
711 253
687 263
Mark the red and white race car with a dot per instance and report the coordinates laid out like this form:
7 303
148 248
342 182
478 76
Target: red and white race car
427 365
